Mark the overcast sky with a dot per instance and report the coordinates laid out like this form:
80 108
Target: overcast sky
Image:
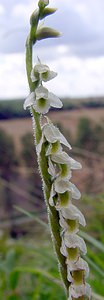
77 56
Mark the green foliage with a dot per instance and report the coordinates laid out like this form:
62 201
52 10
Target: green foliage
12 109
28 267
90 136
84 134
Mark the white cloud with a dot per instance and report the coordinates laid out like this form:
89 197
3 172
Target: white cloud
76 76
13 81
2 10
23 10
78 56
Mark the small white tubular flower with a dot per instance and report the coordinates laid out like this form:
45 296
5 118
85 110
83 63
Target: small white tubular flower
53 134
59 171
42 72
72 213
73 241
42 100
77 291
62 186
71 226
71 254
80 265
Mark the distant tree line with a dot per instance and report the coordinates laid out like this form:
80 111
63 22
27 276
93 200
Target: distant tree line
10 109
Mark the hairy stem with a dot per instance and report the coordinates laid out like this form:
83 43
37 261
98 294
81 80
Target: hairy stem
43 165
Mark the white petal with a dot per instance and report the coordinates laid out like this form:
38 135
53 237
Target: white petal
41 92
64 141
40 68
63 248
77 290
54 100
65 158
39 146
52 194
73 213
74 191
73 241
88 291
80 290
50 75
33 77
53 134
51 169
74 164
29 100
61 158
62 186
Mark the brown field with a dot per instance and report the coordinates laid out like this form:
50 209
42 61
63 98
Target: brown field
92 177
68 119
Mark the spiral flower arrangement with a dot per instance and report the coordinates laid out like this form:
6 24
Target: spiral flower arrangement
56 167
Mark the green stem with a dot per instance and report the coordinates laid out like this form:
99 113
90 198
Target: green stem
43 164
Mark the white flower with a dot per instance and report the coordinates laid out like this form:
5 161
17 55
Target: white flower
80 290
54 148
61 171
62 186
80 265
73 241
70 226
42 72
53 135
71 254
42 100
72 213
63 199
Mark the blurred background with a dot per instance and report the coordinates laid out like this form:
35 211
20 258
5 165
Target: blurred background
27 262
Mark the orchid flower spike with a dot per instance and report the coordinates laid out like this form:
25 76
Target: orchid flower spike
56 167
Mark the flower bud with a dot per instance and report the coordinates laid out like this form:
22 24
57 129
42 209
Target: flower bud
47 11
43 3
46 32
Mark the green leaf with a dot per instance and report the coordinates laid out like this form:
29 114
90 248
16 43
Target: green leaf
47 11
37 271
46 32
95 267
13 278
